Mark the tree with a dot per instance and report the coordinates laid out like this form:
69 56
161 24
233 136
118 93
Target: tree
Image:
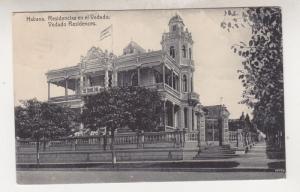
145 107
42 120
36 120
135 107
262 74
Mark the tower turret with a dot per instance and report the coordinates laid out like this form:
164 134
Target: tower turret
178 42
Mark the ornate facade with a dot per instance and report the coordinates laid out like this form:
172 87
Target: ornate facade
169 70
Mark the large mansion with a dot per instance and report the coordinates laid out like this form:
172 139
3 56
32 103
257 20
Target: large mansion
169 70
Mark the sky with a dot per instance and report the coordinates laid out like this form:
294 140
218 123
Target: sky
38 48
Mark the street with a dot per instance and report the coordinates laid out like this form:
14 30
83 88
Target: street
253 165
57 177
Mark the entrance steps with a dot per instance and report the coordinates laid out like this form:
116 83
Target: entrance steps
216 152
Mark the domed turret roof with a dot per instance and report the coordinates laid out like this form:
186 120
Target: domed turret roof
176 19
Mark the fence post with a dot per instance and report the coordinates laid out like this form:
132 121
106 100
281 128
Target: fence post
74 144
104 141
142 139
239 138
137 139
199 141
183 136
177 137
99 141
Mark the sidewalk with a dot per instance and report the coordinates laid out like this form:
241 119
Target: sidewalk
255 160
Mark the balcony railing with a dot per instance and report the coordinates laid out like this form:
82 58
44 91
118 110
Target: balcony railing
171 90
64 98
92 90
127 140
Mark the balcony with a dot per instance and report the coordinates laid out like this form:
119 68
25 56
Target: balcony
193 98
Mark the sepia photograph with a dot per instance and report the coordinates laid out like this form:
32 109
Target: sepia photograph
146 95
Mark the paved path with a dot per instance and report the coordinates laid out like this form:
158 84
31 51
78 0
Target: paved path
256 157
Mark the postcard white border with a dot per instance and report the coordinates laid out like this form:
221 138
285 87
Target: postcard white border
291 42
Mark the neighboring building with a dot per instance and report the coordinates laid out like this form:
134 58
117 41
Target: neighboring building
216 123
235 124
169 70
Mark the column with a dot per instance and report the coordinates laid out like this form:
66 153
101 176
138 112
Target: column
81 84
49 90
180 81
77 86
139 76
202 126
188 83
164 74
164 115
115 78
106 78
172 79
190 118
66 88
192 83
173 115
193 120
181 117
213 130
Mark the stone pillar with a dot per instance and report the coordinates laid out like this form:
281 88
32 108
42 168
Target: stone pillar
192 82
202 127
180 117
139 76
173 115
164 74
81 84
164 115
66 88
49 94
196 120
190 118
172 79
106 78
115 78
188 82
240 140
180 83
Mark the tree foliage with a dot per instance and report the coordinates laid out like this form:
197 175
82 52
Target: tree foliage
36 120
137 108
262 74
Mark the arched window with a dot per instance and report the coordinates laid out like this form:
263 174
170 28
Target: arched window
184 83
183 51
174 27
172 51
190 53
